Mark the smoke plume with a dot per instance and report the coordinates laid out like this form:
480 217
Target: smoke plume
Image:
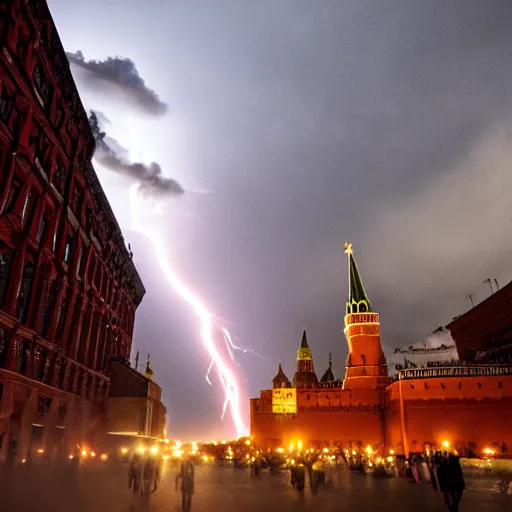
122 73
151 181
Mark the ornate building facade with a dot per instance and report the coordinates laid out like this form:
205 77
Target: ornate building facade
68 286
468 405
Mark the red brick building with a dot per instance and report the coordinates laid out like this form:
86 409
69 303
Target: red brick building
68 286
470 406
484 333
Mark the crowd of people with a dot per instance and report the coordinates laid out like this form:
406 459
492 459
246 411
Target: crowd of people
143 474
144 477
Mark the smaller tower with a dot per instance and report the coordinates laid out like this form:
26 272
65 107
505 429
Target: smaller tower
281 380
328 376
305 376
149 372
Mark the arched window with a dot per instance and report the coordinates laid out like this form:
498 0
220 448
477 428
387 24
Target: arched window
48 308
5 267
25 290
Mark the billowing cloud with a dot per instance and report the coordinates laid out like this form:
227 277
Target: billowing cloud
122 73
151 182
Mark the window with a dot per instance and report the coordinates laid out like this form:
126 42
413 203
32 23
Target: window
54 244
23 302
61 315
88 219
14 193
78 201
41 82
91 270
5 105
42 228
97 278
68 253
5 267
76 319
59 177
48 308
79 262
27 209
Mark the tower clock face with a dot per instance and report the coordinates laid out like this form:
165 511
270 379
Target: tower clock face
304 353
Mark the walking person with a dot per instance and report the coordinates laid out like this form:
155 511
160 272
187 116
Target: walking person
447 478
134 474
149 475
186 475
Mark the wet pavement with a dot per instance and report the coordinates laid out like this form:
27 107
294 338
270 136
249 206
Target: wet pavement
98 487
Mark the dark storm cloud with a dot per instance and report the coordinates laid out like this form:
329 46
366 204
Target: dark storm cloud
381 123
122 73
150 179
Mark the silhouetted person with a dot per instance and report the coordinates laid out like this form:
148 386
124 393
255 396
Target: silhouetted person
448 471
186 475
149 475
134 473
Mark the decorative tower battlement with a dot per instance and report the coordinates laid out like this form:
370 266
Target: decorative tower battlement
366 366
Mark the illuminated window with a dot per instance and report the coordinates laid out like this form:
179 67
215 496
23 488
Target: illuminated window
27 209
41 229
68 253
79 262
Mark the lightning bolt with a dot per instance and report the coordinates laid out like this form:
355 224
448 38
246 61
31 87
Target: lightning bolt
206 318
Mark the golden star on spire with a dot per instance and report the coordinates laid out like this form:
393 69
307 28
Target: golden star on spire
348 248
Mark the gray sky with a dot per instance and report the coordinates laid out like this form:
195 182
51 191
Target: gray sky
386 123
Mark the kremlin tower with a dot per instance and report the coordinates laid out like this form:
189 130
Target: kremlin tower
466 406
366 364
305 376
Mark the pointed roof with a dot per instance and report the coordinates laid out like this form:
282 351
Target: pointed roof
304 342
304 352
328 376
281 380
356 292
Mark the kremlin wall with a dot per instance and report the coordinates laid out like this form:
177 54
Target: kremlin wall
466 404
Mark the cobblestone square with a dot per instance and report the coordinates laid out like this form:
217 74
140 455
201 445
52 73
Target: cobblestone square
103 487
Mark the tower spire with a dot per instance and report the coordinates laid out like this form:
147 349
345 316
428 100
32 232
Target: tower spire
304 342
358 301
149 372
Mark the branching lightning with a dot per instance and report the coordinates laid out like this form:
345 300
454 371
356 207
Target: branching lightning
207 320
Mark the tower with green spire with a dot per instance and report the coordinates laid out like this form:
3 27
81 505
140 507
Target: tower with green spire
305 375
358 301
366 366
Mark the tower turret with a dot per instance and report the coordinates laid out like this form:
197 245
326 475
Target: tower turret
281 380
328 376
149 372
366 364
305 376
